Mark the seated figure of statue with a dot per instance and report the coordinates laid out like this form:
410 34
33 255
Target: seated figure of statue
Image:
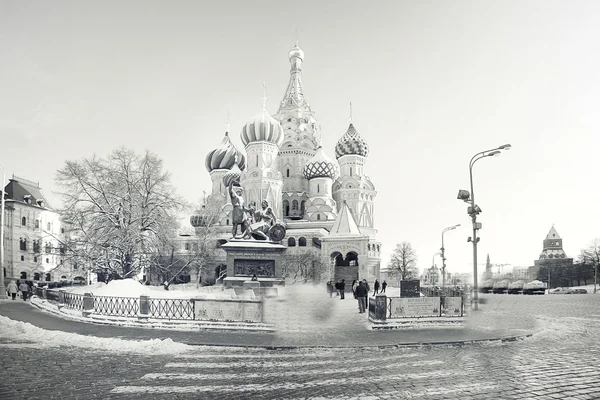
264 219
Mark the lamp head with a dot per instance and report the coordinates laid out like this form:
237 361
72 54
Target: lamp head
505 147
494 153
463 195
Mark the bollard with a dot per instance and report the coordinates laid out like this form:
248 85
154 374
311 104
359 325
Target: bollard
61 298
88 304
44 296
381 307
144 313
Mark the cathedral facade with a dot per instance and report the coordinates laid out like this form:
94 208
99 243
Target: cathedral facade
326 204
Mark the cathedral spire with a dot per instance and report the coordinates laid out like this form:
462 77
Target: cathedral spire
294 94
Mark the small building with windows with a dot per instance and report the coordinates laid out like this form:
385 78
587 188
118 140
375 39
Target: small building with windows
33 235
326 204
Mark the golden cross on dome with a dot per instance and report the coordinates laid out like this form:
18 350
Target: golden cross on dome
351 119
227 118
264 99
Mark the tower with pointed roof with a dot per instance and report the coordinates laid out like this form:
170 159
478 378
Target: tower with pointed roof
552 254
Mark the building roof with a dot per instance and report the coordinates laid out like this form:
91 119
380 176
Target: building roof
552 234
345 225
19 189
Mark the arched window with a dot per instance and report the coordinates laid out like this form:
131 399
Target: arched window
257 160
318 217
318 188
288 173
295 205
350 171
302 242
23 221
48 226
302 206
227 222
286 208
47 260
377 247
23 275
36 276
24 244
187 246
291 242
48 277
37 224
369 246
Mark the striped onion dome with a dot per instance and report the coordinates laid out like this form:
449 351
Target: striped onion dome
321 166
233 175
262 128
223 157
351 143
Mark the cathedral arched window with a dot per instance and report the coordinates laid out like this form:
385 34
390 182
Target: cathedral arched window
24 221
302 242
350 171
318 188
302 206
227 222
287 172
295 205
286 208
291 242
318 217
257 160
369 246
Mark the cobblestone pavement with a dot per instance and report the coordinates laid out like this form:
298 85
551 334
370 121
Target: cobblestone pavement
560 361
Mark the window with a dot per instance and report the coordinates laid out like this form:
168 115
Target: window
302 242
350 171
187 246
48 248
369 246
24 221
75 266
257 160
295 205
291 242
23 244
37 224
48 226
62 230
286 208
318 188
48 277
36 276
22 258
47 260
288 172
302 206
227 222
34 259
23 275
318 217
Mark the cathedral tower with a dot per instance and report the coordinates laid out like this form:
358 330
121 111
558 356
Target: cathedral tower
262 137
320 172
218 162
300 139
353 186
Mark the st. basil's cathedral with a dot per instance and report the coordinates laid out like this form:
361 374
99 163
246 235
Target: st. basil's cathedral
326 205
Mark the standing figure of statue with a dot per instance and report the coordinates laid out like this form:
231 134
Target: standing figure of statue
238 214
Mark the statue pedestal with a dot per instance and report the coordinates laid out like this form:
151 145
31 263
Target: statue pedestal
246 258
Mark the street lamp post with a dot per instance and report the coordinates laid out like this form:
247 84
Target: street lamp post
474 210
444 257
2 288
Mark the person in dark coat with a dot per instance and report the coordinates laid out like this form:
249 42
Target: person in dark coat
24 288
342 289
361 295
376 288
383 286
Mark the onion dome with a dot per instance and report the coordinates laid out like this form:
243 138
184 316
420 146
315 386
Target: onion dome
224 156
200 219
233 175
296 52
262 128
351 143
321 166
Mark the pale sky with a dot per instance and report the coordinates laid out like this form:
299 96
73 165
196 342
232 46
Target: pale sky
431 84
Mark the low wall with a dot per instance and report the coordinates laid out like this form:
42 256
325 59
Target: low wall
383 308
144 307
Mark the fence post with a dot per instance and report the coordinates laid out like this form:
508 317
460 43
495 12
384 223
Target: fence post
88 304
144 307
44 296
61 298
381 307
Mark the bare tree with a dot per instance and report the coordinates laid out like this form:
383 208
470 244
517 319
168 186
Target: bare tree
303 267
591 256
403 262
119 209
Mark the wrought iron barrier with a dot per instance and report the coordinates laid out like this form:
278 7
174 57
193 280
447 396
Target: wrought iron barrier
74 301
117 306
171 309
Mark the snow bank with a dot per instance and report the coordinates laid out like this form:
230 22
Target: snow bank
19 331
132 288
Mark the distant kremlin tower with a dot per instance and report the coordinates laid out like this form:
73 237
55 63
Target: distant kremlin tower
327 205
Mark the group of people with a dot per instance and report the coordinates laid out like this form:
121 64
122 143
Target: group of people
360 290
14 287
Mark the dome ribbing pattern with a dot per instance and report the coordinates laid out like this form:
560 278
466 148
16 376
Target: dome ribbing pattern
351 143
223 157
262 128
321 166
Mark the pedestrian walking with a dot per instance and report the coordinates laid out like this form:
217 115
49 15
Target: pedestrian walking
354 285
12 289
24 287
342 289
376 287
383 286
361 295
330 288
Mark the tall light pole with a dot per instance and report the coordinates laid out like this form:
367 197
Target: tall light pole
474 209
2 288
443 255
